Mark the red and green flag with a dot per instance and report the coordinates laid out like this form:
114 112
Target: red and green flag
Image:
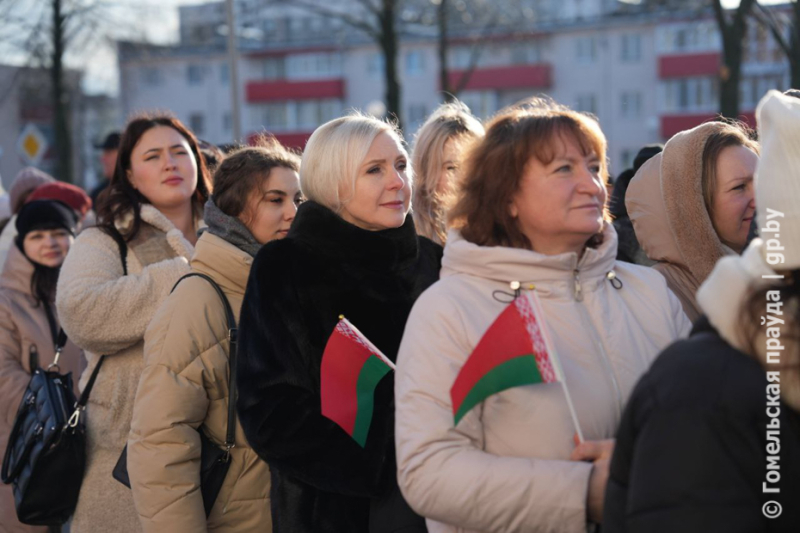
351 369
513 352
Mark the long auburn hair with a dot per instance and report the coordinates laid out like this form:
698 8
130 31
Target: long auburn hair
496 164
120 198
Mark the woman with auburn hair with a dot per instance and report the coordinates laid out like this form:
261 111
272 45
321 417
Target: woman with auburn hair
692 204
187 357
113 281
353 251
530 217
436 159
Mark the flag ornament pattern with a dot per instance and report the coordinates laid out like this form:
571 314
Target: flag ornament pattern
513 352
351 369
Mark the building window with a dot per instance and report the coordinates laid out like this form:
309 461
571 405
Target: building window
631 105
631 48
224 74
376 65
460 58
690 95
227 122
197 123
272 68
313 66
415 63
417 113
586 50
482 103
587 103
275 116
151 76
526 54
194 74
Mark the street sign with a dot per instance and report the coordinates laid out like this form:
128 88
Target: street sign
32 144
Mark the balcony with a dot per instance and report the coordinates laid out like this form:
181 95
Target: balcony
686 65
537 76
672 124
269 91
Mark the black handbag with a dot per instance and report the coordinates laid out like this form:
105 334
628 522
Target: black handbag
46 453
214 461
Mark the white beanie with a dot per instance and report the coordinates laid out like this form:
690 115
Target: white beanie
778 179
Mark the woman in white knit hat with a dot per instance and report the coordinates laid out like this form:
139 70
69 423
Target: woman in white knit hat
710 440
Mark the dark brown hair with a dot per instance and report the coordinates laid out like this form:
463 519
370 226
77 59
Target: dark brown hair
246 170
120 198
733 133
496 164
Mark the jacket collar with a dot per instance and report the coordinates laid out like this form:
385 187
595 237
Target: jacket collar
226 263
17 271
325 232
721 298
547 272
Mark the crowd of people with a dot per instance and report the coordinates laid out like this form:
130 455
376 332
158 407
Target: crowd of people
199 289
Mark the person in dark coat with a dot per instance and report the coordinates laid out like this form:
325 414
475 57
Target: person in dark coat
710 440
109 149
629 249
353 251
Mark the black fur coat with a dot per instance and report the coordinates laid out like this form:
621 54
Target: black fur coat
322 480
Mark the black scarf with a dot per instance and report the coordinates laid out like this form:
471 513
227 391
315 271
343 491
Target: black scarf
229 228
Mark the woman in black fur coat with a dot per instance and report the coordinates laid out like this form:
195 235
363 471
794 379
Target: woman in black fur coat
353 251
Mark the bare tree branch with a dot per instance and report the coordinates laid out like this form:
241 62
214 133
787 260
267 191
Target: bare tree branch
348 19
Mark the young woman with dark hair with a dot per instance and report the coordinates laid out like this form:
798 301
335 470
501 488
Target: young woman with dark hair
152 209
28 322
186 357
530 217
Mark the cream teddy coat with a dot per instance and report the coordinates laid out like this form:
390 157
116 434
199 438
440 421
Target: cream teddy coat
106 312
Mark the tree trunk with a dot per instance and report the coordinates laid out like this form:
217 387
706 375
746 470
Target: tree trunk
63 148
444 72
730 75
794 43
389 45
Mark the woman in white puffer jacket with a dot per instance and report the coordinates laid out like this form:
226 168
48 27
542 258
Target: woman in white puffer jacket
532 212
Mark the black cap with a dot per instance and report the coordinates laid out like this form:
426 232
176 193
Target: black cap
111 141
45 214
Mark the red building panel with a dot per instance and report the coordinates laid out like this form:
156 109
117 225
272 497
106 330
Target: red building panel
267 91
685 65
672 124
296 140
516 77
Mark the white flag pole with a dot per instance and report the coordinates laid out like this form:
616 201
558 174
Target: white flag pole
551 349
369 343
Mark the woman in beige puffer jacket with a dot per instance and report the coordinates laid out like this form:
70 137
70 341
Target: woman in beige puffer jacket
692 204
510 464
106 311
27 335
184 386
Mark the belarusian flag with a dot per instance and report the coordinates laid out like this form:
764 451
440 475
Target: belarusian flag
351 369
513 352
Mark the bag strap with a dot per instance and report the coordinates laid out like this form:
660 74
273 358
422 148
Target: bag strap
233 332
80 405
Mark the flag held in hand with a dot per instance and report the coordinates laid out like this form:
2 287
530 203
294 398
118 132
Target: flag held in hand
351 369
513 352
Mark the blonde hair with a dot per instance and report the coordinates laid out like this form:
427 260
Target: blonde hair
448 121
333 155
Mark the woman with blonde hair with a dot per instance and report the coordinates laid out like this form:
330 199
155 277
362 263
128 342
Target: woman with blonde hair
436 158
530 218
353 251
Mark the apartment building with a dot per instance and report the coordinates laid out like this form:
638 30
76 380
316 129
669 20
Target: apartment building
646 75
